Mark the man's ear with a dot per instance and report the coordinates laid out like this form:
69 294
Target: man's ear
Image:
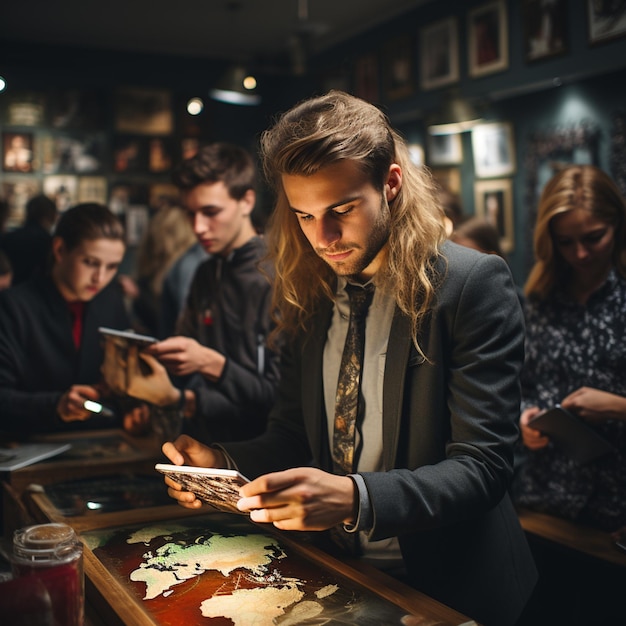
248 200
394 182
58 249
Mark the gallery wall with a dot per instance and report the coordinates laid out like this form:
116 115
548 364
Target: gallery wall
547 100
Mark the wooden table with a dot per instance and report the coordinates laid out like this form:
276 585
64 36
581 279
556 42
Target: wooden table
113 599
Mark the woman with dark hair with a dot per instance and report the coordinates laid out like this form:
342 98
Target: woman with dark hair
50 349
575 352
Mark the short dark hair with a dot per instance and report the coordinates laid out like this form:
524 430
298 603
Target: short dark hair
88 221
40 209
218 162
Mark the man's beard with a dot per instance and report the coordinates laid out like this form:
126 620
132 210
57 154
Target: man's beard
364 255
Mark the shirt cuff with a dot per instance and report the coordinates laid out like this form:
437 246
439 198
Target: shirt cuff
365 517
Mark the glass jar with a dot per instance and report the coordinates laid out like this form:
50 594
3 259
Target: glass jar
53 554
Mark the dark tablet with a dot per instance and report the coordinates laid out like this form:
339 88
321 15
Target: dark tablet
571 434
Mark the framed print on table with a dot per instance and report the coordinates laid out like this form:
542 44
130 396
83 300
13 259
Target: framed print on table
607 20
494 203
545 28
439 53
444 149
494 149
488 39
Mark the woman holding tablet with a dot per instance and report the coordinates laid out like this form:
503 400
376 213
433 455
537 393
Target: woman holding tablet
575 352
50 348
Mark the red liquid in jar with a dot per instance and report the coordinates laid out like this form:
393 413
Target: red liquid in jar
52 554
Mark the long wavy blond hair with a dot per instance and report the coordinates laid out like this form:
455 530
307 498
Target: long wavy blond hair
325 130
575 187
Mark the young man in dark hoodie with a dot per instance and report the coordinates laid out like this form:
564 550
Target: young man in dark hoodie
219 356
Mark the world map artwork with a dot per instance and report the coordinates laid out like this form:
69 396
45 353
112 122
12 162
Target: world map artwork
222 569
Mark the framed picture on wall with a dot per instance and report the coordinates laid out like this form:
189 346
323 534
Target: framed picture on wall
439 53
366 78
62 189
398 77
416 152
488 39
143 111
444 149
18 152
607 20
545 28
494 202
17 191
493 148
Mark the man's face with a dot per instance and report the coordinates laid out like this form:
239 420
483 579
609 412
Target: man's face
220 222
344 218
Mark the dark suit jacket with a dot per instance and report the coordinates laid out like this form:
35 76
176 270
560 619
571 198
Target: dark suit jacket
38 359
449 425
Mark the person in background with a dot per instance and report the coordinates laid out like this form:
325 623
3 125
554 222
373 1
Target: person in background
168 236
479 234
176 286
219 356
575 356
414 474
50 348
453 211
28 247
6 271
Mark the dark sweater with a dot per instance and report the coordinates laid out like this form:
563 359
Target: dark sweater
38 359
228 309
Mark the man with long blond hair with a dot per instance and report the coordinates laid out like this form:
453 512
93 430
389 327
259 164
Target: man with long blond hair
425 493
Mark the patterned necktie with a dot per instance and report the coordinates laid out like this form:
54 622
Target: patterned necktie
348 402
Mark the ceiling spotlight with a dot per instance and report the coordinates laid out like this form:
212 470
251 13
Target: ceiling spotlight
237 86
3 83
195 106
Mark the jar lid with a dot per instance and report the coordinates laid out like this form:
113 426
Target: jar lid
43 540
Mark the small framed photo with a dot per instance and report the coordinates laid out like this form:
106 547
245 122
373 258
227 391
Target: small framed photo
439 53
366 84
493 148
62 189
398 77
18 152
445 149
92 189
494 203
607 20
488 39
24 109
130 155
143 111
545 28
416 153
17 191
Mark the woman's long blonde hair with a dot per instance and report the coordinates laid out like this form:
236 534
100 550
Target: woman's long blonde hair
575 187
317 133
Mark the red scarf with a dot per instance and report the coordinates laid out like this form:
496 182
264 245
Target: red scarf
77 309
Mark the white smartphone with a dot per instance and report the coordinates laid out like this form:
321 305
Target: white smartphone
144 340
217 487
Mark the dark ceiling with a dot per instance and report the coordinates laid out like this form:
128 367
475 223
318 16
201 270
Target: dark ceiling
225 29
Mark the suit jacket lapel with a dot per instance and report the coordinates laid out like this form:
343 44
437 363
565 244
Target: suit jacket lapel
398 350
312 385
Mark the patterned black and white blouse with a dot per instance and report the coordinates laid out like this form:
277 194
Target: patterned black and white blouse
569 346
